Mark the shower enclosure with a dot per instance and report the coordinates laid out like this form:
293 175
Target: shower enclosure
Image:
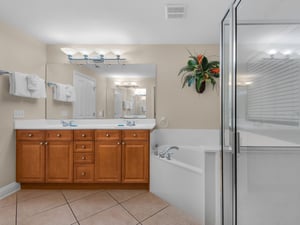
261 113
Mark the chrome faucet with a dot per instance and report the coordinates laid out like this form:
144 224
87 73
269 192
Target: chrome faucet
167 152
130 123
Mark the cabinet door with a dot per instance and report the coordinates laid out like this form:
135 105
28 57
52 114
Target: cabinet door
135 162
108 161
30 162
59 162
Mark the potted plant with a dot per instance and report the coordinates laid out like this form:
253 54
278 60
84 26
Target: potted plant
199 71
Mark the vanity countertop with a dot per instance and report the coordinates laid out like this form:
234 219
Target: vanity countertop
111 124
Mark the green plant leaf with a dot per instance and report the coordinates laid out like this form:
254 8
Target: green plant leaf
189 79
204 63
199 82
185 69
212 80
192 63
194 58
213 64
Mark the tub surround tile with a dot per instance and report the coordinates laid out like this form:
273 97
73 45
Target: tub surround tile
112 216
8 201
73 195
8 215
37 205
144 205
92 204
123 195
61 215
170 216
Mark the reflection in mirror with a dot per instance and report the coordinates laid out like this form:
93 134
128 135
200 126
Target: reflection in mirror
100 91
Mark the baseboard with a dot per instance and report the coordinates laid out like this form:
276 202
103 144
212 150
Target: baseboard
9 189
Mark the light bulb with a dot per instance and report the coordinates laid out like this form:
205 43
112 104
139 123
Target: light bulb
68 51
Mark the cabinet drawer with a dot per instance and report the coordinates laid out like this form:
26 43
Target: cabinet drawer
61 135
107 135
83 146
30 135
135 134
83 157
84 135
83 173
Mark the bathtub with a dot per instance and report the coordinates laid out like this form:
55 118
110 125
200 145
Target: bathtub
180 181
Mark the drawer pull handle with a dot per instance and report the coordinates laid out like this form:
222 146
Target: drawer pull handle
134 135
83 135
83 158
58 135
30 135
83 146
83 173
107 135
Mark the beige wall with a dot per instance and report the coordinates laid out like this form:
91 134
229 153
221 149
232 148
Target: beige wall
21 53
183 108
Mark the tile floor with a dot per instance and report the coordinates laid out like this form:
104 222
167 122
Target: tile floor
89 207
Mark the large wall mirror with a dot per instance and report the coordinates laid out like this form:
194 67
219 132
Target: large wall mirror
108 91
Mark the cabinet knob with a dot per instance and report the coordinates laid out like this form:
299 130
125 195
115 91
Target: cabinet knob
83 135
30 135
118 143
83 158
58 135
46 143
123 143
83 173
83 146
134 135
107 135
41 143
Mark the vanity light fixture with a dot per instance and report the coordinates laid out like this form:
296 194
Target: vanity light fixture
85 56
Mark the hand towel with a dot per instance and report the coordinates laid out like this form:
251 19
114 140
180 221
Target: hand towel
36 86
18 85
70 93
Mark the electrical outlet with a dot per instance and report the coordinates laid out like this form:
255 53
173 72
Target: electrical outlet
19 114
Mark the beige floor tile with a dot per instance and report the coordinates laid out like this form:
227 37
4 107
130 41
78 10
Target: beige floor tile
144 205
36 205
9 200
8 215
92 204
113 216
73 195
57 216
123 195
170 216
24 195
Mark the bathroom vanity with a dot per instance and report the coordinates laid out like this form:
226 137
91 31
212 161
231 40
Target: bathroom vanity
73 157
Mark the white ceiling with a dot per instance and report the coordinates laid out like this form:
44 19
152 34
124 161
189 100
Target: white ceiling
115 21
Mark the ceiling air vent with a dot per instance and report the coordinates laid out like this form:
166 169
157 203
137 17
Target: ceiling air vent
175 11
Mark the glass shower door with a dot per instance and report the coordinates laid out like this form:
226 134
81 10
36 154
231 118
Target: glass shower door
267 118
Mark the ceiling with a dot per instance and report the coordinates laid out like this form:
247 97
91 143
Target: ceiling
115 21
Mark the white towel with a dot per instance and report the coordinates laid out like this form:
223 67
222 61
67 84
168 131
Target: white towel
70 93
63 92
36 86
18 85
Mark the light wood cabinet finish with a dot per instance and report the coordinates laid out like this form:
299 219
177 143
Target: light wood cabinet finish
84 135
30 135
107 135
59 135
84 173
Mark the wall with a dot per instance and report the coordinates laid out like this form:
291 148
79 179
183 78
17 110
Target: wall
18 52
183 108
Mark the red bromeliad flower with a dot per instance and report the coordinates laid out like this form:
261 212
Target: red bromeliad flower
215 70
199 57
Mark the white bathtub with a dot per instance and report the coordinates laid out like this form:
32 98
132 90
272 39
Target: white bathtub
180 181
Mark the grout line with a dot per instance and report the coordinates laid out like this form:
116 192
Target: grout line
155 213
70 207
128 198
83 196
129 213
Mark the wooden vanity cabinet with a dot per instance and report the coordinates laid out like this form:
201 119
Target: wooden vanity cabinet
108 156
84 158
44 156
59 156
30 156
135 156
